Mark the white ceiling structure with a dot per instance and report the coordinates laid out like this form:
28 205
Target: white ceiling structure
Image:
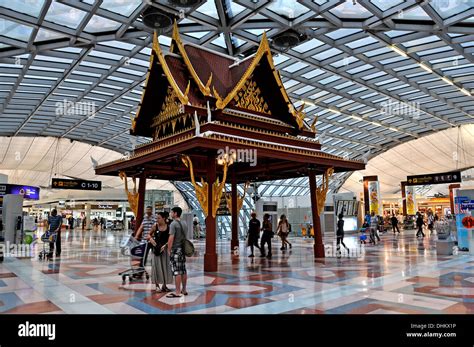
445 151
376 73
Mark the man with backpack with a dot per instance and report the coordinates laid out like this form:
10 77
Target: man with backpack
176 252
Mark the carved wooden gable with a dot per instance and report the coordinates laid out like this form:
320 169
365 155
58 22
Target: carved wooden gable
170 113
249 97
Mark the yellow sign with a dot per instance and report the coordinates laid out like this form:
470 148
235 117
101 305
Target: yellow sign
410 196
374 199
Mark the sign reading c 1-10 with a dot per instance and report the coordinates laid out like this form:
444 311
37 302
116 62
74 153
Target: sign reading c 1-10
437 178
60 183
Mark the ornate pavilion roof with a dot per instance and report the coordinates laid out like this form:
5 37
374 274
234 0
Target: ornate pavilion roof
198 75
197 102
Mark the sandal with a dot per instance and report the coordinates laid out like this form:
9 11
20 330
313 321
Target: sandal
173 295
165 290
184 293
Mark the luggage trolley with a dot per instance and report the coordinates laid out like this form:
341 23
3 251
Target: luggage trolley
47 238
135 250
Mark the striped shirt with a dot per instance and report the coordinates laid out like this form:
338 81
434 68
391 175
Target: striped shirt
374 222
147 224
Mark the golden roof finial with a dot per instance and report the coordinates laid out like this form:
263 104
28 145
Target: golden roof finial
205 89
187 89
156 45
313 124
208 84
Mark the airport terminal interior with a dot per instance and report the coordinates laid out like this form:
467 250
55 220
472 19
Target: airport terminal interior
236 157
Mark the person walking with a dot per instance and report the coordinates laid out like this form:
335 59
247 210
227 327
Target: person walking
55 222
340 235
282 230
160 262
374 226
176 252
431 220
266 236
253 233
394 221
196 227
419 223
144 229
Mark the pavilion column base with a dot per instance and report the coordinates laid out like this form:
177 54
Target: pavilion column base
318 251
210 262
233 244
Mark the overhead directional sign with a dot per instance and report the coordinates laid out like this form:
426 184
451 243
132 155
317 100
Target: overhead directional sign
437 178
60 183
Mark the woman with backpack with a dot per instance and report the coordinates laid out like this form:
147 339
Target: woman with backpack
160 262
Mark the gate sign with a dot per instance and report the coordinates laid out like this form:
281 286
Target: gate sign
438 178
60 183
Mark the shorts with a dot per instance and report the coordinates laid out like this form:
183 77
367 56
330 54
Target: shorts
178 262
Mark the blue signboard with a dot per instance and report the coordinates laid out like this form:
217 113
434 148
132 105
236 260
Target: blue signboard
28 192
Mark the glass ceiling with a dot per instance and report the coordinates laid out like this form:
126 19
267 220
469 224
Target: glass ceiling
375 73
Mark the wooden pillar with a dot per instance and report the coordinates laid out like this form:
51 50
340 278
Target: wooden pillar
318 235
141 201
451 195
235 213
404 198
210 257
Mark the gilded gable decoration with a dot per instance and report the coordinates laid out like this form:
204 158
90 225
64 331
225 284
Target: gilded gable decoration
171 108
249 97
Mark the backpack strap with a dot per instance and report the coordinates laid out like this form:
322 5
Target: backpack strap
182 229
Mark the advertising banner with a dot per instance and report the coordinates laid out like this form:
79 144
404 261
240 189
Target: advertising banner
374 198
463 206
28 192
411 201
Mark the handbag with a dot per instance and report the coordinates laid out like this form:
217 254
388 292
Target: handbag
156 249
188 246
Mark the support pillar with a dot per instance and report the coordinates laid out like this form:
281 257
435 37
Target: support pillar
318 235
210 257
87 207
124 216
404 198
235 214
367 199
451 195
141 201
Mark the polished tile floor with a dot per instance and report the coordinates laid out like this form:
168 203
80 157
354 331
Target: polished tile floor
400 275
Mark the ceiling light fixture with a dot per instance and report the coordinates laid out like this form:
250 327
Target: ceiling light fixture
424 67
398 50
465 91
447 80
